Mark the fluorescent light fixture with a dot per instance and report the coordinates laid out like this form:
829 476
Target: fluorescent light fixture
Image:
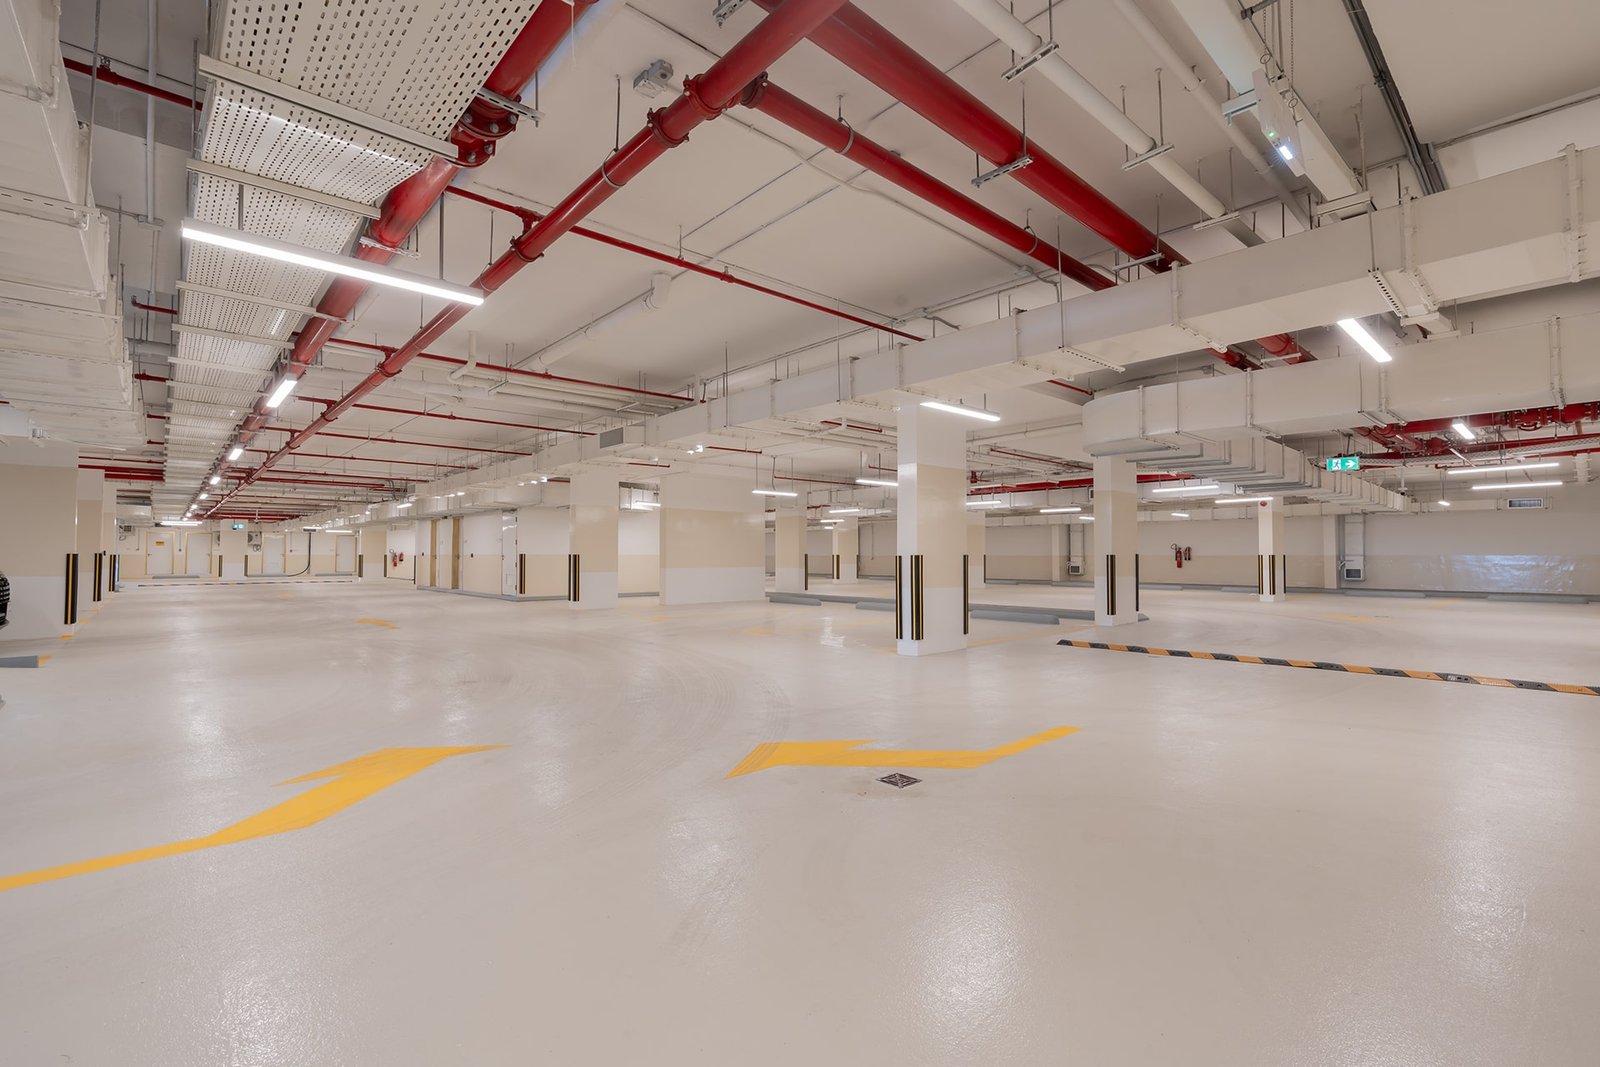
1180 514
284 252
281 393
646 504
830 522
1444 503
1058 511
1208 487
236 453
1463 431
878 481
203 496
844 511
1518 485
1505 467
179 522
339 531
1085 518
215 479
1286 152
773 492
1242 499
1358 333
957 409
986 504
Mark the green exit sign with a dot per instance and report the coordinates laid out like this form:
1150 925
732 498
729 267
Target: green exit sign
1344 463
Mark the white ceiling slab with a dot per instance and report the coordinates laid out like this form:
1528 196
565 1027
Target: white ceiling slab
1485 60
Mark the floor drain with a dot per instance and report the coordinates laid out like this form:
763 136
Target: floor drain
898 780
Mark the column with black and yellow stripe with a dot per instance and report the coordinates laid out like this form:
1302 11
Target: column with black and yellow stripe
592 561
931 531
1116 542
38 537
1272 571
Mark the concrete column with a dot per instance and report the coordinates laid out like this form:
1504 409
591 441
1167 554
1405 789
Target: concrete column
1060 551
89 541
373 552
789 545
1116 539
1329 572
977 545
1271 564
592 566
231 548
847 548
931 531
38 538
713 540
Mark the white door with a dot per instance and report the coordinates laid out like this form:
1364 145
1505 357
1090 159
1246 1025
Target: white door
508 553
158 556
197 551
272 554
344 554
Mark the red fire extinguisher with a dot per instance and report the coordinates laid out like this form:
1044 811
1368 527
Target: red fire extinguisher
1177 556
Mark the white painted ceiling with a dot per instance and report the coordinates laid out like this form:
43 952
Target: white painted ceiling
751 196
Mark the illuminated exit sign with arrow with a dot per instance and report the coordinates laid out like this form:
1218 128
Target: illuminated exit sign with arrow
1344 463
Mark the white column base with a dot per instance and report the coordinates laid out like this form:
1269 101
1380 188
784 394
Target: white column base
37 608
596 591
1126 612
941 625
790 580
1272 598
712 585
847 569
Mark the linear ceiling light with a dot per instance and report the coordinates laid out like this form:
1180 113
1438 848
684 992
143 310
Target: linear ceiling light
1518 485
1506 467
773 492
878 481
957 409
1208 487
1358 333
179 522
235 453
284 252
1242 499
1180 514
1463 431
986 504
844 511
281 393
1057 511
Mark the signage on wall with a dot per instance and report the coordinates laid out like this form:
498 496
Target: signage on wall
1344 463
238 526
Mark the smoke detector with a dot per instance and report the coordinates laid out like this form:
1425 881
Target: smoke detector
654 80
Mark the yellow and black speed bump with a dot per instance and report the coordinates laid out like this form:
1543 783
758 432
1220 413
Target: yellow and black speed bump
1348 668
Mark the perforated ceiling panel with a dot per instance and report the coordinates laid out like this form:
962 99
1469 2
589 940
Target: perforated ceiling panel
416 63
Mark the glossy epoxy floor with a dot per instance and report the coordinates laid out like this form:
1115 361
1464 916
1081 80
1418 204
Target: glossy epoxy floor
1226 864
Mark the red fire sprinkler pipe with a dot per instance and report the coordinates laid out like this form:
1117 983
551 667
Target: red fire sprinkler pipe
474 135
804 119
703 98
867 48
529 217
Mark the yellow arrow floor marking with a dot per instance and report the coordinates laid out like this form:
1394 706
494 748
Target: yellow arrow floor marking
385 623
353 781
851 754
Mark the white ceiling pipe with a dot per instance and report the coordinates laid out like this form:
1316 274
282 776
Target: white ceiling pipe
654 300
998 20
1175 64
